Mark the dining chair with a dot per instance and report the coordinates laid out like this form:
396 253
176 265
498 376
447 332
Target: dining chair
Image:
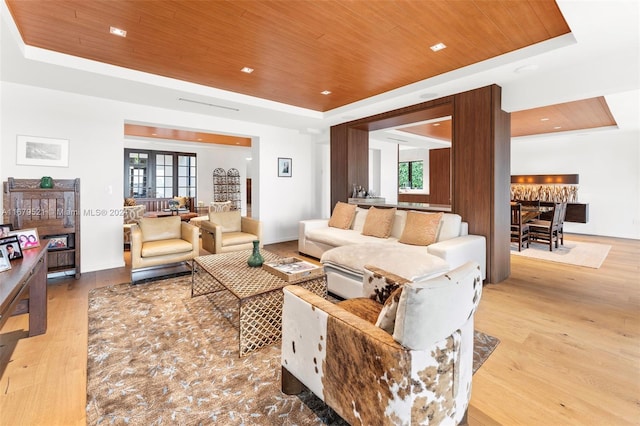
519 229
563 214
547 231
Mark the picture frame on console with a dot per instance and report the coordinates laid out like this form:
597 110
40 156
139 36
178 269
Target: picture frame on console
10 248
5 264
57 242
28 238
5 229
284 167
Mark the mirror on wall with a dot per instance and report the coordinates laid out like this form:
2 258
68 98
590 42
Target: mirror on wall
422 170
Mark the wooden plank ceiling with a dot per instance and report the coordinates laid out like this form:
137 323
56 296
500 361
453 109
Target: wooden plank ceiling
578 115
298 49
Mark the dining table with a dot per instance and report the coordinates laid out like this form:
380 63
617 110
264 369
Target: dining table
530 213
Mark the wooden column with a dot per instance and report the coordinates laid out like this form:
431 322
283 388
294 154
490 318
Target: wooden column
349 161
481 172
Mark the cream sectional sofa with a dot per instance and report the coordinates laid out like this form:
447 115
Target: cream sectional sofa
344 252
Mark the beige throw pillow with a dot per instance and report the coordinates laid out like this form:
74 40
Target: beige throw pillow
379 222
230 221
342 215
421 229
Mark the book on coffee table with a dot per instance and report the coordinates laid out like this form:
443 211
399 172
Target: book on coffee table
293 269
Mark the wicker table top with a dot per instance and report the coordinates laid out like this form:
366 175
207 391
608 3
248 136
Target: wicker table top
232 271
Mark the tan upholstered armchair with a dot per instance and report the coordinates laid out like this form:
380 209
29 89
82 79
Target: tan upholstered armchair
419 374
162 241
229 231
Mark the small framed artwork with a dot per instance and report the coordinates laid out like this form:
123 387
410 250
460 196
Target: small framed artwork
28 238
10 247
57 242
5 228
5 264
284 167
38 151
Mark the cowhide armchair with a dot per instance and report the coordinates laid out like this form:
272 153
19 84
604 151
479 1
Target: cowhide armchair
419 374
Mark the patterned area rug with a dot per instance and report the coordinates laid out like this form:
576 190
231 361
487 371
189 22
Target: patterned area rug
157 356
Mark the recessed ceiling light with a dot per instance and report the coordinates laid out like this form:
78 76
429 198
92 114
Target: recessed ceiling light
557 127
438 46
117 31
526 68
326 92
436 124
247 70
544 119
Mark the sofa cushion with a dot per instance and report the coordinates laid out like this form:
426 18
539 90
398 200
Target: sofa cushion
362 307
237 238
160 228
411 262
230 221
421 229
163 247
379 222
450 227
342 215
340 237
359 219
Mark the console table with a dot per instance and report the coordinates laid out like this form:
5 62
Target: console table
28 273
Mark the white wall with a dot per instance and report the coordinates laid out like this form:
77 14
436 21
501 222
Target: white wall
608 163
94 128
388 169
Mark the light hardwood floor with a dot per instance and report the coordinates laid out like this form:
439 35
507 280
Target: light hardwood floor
569 351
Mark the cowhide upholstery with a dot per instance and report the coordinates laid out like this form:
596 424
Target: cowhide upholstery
369 376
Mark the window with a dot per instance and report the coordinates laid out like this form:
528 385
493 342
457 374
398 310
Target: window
159 174
410 174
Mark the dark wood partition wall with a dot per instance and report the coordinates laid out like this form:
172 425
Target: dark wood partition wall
349 161
480 163
481 172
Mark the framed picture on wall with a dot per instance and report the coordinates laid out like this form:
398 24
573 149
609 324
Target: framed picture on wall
38 151
284 167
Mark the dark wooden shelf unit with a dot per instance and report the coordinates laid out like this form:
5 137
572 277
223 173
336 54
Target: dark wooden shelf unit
54 212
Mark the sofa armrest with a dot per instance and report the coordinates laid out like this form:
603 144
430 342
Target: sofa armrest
307 225
460 250
188 232
212 242
252 226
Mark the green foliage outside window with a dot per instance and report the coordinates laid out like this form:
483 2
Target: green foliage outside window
410 174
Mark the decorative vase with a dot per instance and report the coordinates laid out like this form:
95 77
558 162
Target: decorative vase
256 259
46 182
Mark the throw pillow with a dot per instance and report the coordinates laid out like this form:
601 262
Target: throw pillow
230 221
342 215
379 284
387 317
421 229
182 202
379 222
129 202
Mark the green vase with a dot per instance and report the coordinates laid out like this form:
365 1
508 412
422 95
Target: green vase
256 259
46 182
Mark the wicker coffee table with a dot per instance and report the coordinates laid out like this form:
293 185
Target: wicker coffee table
256 294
